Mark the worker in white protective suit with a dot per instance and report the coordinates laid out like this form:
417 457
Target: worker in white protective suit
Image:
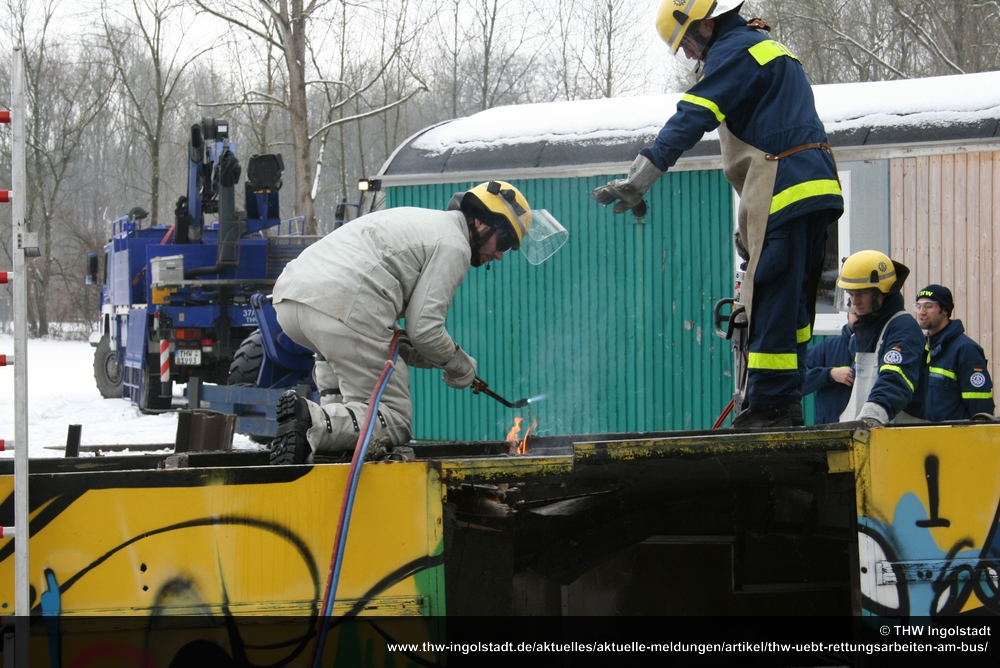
342 298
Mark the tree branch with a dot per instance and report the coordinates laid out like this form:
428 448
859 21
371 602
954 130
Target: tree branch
926 39
240 24
367 114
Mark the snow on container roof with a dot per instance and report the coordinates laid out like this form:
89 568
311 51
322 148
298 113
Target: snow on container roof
602 136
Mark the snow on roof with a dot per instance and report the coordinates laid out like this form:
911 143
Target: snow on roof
917 102
608 119
888 110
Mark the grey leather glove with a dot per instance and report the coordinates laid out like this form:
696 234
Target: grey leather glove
460 370
873 415
641 177
410 355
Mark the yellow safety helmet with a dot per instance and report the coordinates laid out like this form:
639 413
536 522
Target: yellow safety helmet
676 16
503 207
868 269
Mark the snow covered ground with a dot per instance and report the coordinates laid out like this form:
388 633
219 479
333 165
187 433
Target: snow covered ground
61 392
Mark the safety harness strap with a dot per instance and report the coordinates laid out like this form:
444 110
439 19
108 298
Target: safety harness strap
354 418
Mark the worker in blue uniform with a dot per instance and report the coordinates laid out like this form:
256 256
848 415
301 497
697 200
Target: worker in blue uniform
774 151
888 348
829 374
960 384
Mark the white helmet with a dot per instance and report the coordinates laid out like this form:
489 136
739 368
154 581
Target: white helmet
676 16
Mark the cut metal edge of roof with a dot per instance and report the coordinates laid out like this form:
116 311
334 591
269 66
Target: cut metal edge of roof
607 149
849 145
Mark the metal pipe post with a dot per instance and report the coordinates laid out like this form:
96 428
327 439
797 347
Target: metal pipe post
22 577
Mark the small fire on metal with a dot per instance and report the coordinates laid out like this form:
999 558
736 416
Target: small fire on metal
519 446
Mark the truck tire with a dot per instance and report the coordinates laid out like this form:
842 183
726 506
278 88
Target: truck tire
245 366
149 394
108 372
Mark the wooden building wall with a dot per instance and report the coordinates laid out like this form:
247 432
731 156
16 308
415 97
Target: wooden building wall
945 226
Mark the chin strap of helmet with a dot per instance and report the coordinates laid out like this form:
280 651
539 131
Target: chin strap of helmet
878 300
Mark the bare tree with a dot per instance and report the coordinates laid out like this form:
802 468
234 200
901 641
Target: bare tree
613 52
149 67
65 96
874 40
599 48
957 36
501 59
286 25
569 65
283 24
353 94
260 83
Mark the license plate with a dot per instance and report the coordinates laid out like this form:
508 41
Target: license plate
187 357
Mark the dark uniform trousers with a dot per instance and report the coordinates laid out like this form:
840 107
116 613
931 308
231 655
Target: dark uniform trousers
784 307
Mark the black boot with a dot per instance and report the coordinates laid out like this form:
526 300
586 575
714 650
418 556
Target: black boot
789 415
290 445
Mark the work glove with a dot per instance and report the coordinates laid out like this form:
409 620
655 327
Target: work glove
873 415
410 355
641 177
460 370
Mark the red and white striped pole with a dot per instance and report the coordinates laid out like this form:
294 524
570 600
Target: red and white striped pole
164 361
6 446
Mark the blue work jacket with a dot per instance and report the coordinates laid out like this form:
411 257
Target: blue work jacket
960 386
902 371
759 89
831 397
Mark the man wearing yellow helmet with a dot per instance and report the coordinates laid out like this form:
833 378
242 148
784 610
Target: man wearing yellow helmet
888 347
775 155
342 298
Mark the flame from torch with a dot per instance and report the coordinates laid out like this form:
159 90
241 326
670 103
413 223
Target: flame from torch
520 446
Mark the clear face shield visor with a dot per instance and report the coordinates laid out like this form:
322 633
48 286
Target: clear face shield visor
844 300
545 237
692 48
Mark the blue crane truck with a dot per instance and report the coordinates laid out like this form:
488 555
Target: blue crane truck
175 300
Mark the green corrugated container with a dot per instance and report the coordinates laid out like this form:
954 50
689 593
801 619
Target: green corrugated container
614 332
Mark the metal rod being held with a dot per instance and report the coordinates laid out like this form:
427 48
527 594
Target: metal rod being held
479 386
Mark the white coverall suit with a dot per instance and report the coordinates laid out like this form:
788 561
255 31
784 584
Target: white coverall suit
342 298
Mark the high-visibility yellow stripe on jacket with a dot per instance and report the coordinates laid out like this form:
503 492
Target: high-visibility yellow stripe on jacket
766 51
804 190
977 395
892 367
773 361
705 102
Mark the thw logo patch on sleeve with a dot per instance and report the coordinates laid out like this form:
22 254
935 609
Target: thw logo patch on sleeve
893 357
